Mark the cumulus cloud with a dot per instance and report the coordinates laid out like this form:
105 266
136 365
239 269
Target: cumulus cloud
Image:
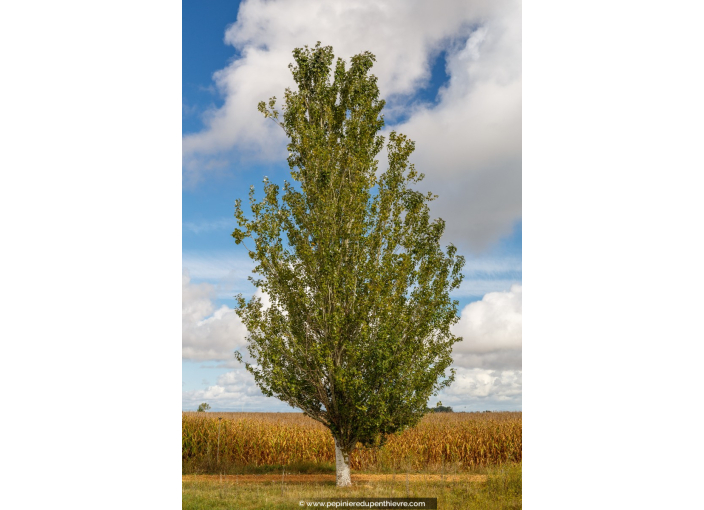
468 143
207 333
477 389
234 391
403 34
491 331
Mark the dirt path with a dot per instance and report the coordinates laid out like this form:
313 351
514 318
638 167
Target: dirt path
331 478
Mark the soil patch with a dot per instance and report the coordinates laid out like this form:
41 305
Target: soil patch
359 478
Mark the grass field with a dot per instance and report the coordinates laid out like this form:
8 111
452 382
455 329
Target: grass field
502 490
266 442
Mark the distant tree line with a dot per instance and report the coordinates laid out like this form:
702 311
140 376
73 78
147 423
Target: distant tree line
440 409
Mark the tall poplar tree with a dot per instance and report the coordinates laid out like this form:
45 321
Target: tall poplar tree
358 331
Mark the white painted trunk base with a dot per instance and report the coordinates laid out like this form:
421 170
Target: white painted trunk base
342 464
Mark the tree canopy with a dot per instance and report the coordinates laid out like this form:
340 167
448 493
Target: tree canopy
358 331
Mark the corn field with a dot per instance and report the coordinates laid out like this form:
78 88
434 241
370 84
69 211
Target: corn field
461 440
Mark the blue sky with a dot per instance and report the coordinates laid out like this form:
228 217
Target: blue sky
452 81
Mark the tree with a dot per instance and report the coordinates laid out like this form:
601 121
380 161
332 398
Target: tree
440 409
358 331
203 407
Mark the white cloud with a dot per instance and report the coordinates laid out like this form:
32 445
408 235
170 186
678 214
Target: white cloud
266 300
208 334
481 389
492 332
468 145
227 269
234 391
471 141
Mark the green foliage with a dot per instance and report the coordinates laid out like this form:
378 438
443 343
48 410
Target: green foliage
358 334
203 407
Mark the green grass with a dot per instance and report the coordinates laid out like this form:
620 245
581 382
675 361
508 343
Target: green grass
501 491
294 468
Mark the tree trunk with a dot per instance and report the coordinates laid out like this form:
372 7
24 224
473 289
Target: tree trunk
342 463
